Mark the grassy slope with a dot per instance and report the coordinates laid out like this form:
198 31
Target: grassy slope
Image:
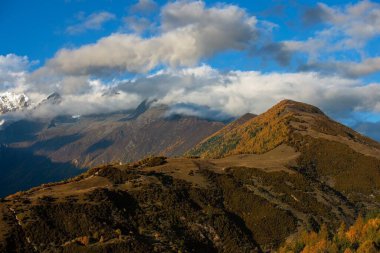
137 207
330 152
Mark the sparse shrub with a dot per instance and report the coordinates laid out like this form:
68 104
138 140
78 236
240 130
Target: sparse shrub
153 161
47 199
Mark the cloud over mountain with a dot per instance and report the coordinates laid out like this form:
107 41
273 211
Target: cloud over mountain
238 92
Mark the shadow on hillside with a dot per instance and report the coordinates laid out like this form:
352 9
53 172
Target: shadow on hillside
20 170
102 144
56 143
23 130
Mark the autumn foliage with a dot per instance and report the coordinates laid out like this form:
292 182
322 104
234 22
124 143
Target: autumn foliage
258 135
362 237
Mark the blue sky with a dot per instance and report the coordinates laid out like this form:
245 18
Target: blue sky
246 54
38 28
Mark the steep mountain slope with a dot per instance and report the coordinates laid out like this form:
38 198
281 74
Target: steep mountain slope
278 125
20 169
331 152
124 136
87 141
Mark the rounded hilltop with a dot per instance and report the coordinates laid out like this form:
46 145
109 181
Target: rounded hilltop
296 107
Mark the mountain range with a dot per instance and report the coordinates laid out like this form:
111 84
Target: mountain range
62 147
10 102
248 186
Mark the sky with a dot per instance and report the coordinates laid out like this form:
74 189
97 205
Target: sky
206 58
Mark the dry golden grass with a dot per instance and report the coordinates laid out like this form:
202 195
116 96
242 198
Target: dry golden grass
277 126
256 136
330 152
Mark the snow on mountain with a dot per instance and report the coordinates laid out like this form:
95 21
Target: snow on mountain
10 102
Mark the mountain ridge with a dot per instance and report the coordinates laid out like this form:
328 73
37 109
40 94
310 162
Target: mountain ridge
91 140
295 170
283 120
319 139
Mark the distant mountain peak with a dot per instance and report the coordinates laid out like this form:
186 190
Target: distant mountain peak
111 93
54 95
140 109
54 98
10 102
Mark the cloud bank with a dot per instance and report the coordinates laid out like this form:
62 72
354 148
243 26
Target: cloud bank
238 92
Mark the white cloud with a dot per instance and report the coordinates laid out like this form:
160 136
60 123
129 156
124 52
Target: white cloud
202 32
348 31
92 102
206 91
144 6
238 92
94 21
81 95
348 28
350 69
368 66
233 93
13 72
359 22
136 24
183 13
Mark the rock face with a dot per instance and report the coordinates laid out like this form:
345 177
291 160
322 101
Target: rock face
260 181
10 102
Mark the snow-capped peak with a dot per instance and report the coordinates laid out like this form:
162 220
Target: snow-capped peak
10 102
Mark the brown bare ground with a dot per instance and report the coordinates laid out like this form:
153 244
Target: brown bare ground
278 159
